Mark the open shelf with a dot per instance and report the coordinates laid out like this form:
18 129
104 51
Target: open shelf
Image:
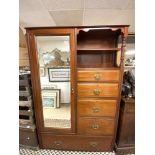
103 68
96 59
98 49
98 40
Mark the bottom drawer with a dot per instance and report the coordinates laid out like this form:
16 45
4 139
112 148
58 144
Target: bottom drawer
76 143
28 137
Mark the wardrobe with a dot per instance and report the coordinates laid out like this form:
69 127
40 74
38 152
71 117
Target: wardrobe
76 79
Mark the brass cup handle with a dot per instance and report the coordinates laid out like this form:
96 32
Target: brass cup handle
58 143
94 144
97 91
95 126
97 76
95 109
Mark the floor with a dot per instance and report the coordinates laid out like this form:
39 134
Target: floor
23 151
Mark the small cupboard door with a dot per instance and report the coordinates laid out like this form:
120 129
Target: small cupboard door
52 59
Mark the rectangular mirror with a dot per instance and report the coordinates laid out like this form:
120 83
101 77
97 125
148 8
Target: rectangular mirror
54 63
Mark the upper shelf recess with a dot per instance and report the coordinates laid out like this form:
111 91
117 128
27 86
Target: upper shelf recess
98 49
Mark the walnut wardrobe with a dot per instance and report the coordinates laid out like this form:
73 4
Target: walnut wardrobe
76 79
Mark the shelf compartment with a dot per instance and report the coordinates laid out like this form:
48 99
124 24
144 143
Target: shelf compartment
98 49
96 59
98 39
101 69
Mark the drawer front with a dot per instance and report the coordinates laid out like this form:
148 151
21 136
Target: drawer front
104 75
96 126
78 143
28 138
97 107
98 90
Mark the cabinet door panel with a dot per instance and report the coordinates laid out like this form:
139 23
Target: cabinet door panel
52 56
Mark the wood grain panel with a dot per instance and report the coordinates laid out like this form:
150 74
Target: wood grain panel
97 90
76 142
96 126
98 75
97 107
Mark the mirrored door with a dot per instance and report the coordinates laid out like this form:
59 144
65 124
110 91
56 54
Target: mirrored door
55 73
52 60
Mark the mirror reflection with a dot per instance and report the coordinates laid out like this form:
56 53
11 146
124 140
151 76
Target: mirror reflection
54 62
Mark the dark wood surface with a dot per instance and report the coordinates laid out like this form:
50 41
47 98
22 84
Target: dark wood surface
96 59
97 39
28 137
126 130
99 47
77 142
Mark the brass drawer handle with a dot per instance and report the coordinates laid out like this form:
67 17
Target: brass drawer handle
58 143
97 76
95 126
28 138
97 91
95 109
93 144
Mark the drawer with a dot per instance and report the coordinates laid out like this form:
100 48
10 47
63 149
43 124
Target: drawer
76 143
97 107
99 75
98 90
96 126
28 137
